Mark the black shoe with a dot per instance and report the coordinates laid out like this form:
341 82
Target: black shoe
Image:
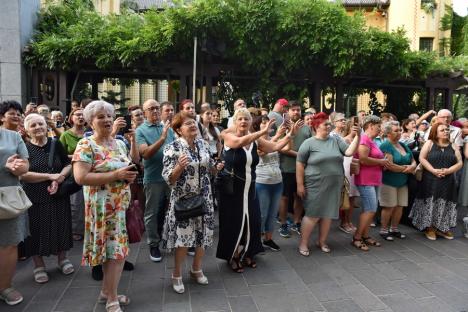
191 251
128 266
271 244
387 236
155 254
398 234
96 273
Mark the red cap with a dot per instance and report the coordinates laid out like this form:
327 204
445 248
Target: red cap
283 102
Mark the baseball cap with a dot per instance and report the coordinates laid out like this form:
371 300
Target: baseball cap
425 122
283 102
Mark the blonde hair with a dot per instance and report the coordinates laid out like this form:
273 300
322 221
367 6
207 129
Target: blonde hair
241 112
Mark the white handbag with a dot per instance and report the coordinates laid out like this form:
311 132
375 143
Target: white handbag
13 202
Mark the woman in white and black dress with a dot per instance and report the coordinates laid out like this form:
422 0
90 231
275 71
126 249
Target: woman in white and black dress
239 212
50 216
187 170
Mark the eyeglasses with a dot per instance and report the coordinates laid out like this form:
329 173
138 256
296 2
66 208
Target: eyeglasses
78 115
445 130
189 123
153 108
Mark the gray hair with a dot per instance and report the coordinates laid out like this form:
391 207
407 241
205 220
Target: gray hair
387 126
28 119
444 111
242 112
93 108
55 113
370 119
337 116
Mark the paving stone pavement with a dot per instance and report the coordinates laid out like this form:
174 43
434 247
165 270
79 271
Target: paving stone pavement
406 275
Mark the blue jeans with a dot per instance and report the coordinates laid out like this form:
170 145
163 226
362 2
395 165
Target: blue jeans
269 196
369 195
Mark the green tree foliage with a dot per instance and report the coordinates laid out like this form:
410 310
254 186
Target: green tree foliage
459 29
272 41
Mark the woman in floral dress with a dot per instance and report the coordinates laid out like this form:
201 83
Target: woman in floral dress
187 168
101 165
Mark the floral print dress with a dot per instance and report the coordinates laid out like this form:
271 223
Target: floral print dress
105 205
195 232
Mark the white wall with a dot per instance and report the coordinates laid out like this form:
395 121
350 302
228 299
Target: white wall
17 20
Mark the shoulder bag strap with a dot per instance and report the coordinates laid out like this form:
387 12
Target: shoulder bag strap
199 165
50 163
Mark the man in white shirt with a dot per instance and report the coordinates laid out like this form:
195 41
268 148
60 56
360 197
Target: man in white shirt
239 103
444 116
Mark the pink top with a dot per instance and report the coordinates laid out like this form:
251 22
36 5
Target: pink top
369 175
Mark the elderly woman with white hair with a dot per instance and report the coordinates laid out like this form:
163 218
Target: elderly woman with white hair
103 166
393 193
49 216
239 211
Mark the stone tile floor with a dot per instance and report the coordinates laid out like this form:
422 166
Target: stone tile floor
406 275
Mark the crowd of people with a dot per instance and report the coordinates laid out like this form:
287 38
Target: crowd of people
85 174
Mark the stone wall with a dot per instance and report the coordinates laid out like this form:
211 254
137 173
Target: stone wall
17 20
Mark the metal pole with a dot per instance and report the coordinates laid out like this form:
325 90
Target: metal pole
194 76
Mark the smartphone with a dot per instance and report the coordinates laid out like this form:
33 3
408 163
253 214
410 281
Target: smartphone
355 120
128 126
135 167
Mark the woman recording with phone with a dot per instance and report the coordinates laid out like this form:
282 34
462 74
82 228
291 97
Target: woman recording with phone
101 164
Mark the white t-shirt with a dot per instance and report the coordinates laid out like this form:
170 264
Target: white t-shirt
268 169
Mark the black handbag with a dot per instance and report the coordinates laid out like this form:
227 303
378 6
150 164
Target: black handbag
225 180
193 205
69 185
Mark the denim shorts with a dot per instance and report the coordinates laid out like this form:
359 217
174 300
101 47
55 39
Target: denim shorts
369 195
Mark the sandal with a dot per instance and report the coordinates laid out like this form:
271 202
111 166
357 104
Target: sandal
113 306
324 248
199 276
236 265
40 275
249 262
398 234
304 253
359 244
369 241
123 300
178 284
66 267
387 236
345 228
11 296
